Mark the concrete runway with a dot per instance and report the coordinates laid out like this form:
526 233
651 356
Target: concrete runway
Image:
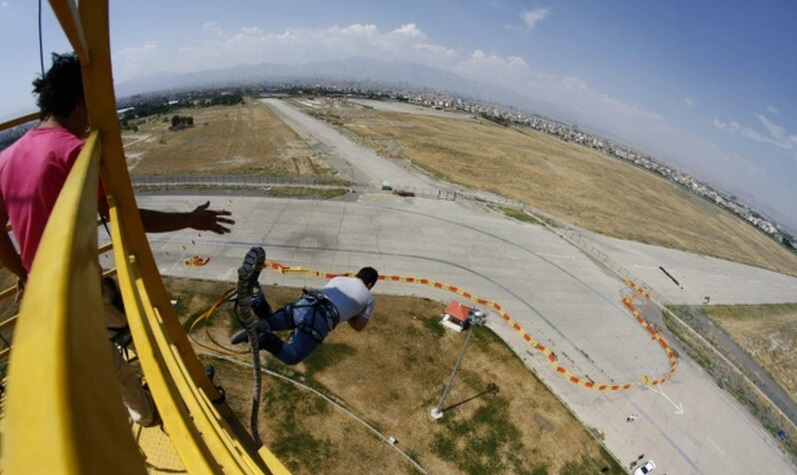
557 293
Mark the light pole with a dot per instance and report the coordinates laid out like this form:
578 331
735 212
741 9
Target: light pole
475 318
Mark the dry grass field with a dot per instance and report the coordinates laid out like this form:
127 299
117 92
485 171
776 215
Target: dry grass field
244 139
768 333
392 374
569 181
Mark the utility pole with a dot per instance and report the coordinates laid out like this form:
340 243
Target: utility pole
475 318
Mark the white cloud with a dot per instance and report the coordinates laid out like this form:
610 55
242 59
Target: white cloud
410 30
251 31
778 135
532 17
772 134
775 131
482 66
357 31
732 126
137 59
302 45
212 27
689 102
773 110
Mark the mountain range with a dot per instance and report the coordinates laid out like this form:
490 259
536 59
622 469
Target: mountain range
354 70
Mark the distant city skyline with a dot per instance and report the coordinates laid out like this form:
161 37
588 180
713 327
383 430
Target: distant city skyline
704 87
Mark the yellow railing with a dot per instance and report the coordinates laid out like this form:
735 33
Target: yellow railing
19 121
8 324
186 411
63 412
63 401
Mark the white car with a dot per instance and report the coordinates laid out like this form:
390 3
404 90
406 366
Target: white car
645 469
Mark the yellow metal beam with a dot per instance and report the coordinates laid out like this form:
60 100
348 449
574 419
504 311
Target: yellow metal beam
19 121
11 291
204 440
176 417
101 103
67 13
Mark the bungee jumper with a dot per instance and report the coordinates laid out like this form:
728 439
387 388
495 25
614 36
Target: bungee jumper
312 317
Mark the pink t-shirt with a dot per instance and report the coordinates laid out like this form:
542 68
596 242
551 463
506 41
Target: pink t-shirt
32 172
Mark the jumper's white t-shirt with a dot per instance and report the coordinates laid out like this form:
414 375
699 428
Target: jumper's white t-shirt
350 296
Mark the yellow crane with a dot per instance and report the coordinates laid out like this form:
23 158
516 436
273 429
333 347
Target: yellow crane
63 411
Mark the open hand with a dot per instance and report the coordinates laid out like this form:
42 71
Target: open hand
204 219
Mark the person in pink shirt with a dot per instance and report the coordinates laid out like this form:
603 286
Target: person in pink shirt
33 171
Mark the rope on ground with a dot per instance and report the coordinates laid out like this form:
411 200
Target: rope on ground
554 362
226 296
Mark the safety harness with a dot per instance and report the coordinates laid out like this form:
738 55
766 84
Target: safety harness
322 308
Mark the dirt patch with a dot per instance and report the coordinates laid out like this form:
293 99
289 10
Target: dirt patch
392 374
569 181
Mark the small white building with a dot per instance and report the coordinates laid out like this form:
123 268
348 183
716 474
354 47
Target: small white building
455 316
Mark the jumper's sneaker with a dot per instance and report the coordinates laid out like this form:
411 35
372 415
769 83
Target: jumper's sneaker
260 306
209 370
249 271
249 289
261 328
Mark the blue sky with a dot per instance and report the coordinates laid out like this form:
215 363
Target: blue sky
706 86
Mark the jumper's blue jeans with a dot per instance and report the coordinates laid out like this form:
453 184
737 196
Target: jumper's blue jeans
301 342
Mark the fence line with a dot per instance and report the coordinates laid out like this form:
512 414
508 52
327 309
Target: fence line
143 180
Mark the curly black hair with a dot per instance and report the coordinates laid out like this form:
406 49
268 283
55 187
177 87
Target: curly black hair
61 87
368 275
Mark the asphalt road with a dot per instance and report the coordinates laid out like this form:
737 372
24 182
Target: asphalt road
555 292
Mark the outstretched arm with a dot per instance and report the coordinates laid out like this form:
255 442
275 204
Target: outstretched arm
201 218
358 323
